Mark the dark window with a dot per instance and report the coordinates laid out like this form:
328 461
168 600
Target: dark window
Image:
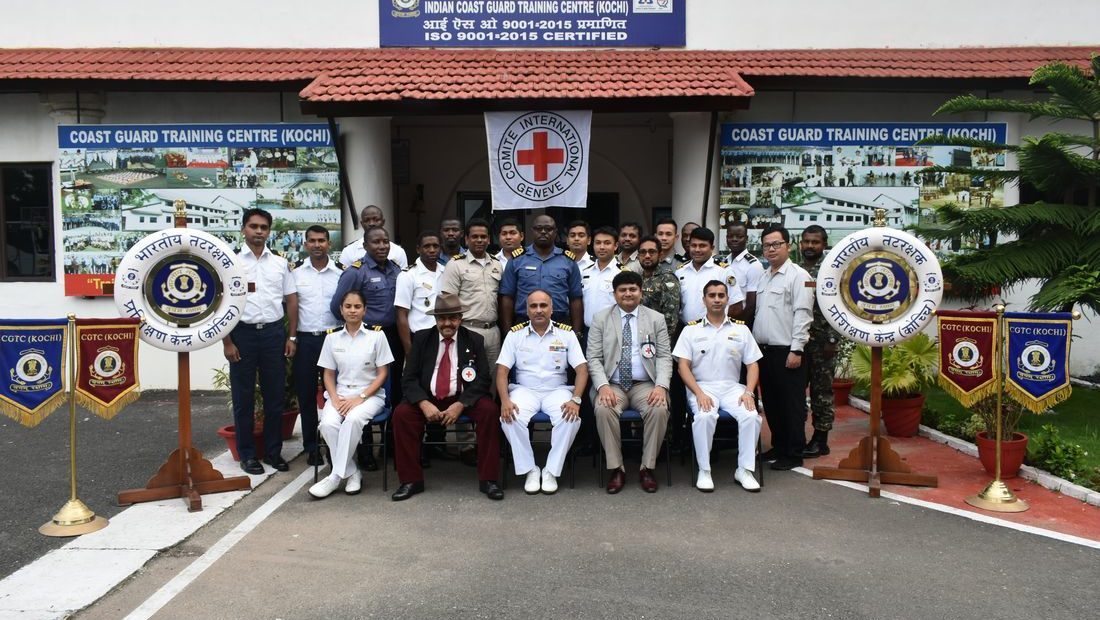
26 222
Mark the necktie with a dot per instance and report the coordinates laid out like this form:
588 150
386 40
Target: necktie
626 369
443 377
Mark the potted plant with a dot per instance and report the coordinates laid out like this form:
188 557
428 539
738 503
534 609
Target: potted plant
842 375
289 418
1013 443
907 369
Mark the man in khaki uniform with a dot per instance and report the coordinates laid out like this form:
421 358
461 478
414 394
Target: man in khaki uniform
475 278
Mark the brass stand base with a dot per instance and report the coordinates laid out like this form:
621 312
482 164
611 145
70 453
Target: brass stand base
74 519
998 498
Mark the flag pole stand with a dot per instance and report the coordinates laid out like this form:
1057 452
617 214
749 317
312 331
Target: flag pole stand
74 518
996 496
186 473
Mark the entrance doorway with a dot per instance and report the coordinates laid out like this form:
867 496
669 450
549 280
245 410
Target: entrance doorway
602 210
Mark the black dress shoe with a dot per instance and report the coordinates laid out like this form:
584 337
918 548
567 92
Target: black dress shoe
278 462
370 464
315 459
468 457
815 449
769 455
252 466
785 463
407 490
491 488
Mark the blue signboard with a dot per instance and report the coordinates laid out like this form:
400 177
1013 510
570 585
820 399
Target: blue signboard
194 136
853 134
532 23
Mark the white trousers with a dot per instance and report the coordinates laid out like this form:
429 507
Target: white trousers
703 424
530 402
342 434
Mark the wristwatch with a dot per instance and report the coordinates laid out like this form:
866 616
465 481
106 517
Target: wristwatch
362 395
798 353
293 339
576 399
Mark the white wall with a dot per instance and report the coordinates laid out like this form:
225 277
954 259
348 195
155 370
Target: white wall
711 24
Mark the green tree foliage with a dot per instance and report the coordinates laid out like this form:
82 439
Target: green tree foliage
1054 240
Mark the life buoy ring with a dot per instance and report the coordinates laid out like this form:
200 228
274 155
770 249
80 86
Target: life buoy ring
186 284
879 286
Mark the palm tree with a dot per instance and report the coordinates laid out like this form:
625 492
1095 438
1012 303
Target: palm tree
1055 240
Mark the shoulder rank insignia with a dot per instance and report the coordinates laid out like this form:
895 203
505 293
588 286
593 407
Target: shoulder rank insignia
750 258
339 265
372 327
737 321
357 264
492 256
520 326
296 265
695 322
563 326
721 263
570 255
517 252
458 257
684 264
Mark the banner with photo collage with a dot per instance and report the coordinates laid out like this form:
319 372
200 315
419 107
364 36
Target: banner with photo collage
119 183
836 175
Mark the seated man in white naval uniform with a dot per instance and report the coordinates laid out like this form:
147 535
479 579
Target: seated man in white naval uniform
709 355
540 351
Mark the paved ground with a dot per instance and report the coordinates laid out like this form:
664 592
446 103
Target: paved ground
112 455
799 549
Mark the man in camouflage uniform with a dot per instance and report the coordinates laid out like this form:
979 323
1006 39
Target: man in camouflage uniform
660 286
820 350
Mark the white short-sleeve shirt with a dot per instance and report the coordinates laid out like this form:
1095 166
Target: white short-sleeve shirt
717 352
270 274
596 285
693 280
748 270
315 290
540 362
355 251
417 288
355 358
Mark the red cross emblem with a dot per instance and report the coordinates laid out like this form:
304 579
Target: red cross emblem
540 156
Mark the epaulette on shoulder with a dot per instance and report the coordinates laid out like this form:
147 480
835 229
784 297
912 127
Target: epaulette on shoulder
357 264
563 326
683 264
750 258
570 255
298 264
458 257
720 262
737 321
492 256
518 252
373 328
695 322
516 328
339 265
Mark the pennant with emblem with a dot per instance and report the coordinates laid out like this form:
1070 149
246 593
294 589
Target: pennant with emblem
968 355
32 354
1037 374
107 364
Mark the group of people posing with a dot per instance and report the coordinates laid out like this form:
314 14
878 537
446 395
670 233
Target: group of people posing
534 332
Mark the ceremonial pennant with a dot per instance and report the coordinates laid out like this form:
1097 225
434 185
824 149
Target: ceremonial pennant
968 353
538 159
1037 374
107 364
32 357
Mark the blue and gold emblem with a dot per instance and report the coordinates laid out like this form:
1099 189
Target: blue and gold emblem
879 287
32 372
183 289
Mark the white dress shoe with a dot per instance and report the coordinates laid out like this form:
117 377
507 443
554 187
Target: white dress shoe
746 479
354 484
534 482
704 483
549 483
325 487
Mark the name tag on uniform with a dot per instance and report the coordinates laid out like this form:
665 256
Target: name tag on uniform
338 350
427 285
378 279
557 348
531 267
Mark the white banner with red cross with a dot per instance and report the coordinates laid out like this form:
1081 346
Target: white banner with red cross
539 159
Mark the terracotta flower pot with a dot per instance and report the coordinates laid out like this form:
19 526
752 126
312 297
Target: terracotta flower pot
1013 452
902 415
842 388
229 434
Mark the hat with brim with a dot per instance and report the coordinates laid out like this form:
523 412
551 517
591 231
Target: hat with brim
447 304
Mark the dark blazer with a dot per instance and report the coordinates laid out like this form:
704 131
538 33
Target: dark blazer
417 378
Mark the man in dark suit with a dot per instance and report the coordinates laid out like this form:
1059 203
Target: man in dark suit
446 375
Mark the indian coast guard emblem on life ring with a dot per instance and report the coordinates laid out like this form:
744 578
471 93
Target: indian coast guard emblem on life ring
879 286
188 286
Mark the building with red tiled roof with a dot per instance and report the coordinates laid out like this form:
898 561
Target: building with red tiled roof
404 98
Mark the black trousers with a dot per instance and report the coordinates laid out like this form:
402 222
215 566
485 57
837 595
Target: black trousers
261 350
784 392
306 375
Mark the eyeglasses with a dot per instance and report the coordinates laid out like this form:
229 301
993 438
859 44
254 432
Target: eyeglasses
647 252
774 245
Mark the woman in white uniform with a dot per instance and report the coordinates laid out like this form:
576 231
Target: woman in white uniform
356 360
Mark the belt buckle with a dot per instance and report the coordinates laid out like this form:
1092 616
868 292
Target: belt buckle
260 325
